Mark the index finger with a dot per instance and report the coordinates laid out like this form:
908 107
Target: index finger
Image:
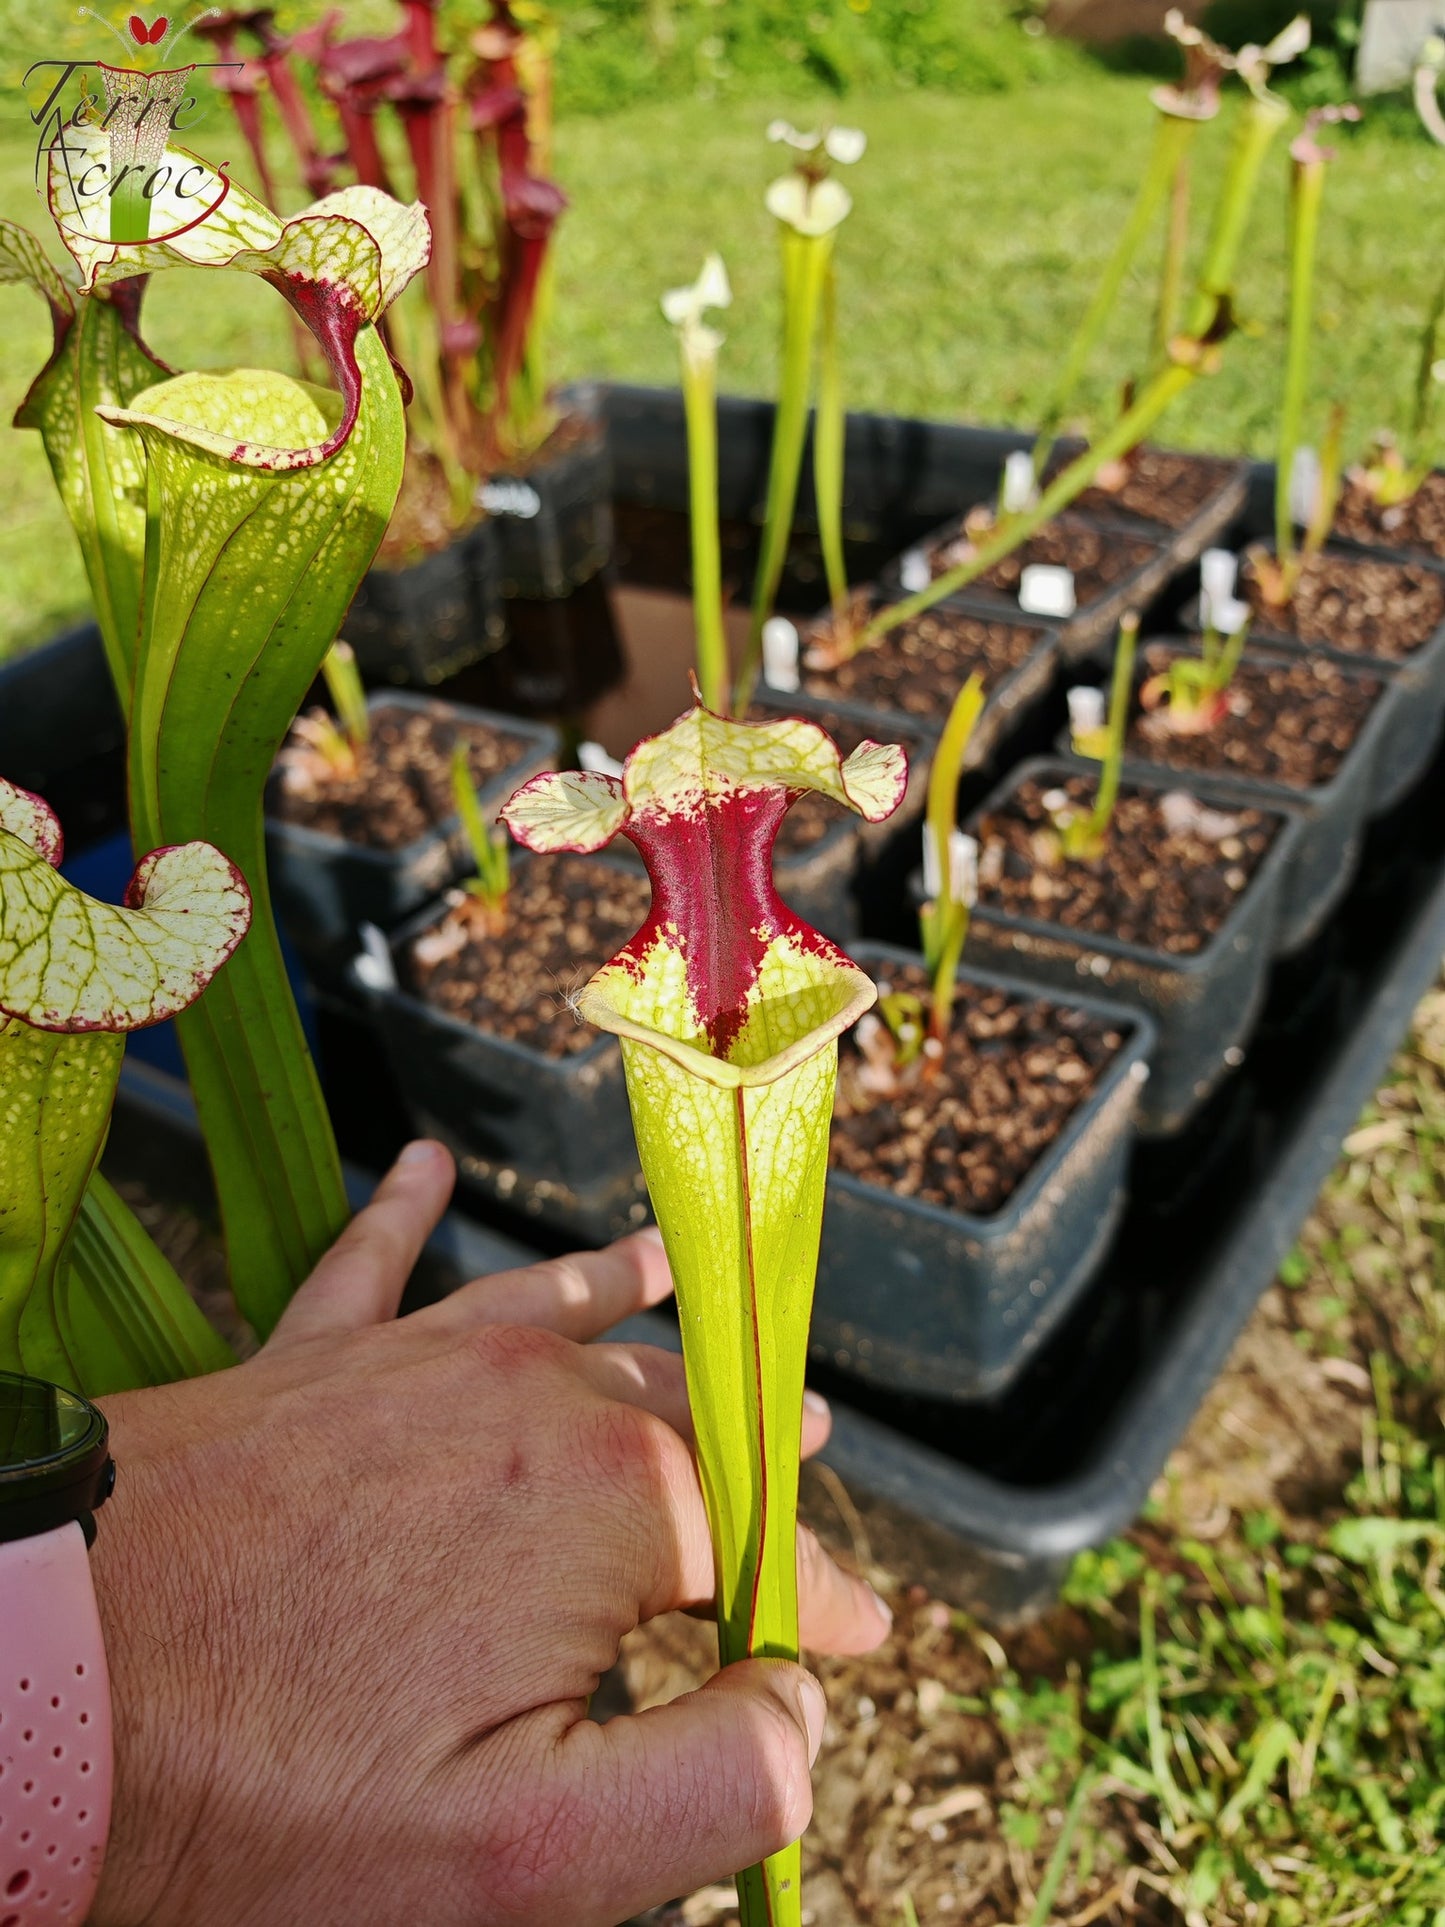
579 1297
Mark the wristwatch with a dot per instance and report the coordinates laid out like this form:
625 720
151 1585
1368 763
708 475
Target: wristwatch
55 1732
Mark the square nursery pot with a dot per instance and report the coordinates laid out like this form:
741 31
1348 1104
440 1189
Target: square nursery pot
917 1299
1332 816
1407 745
1187 500
420 624
1116 569
325 888
894 706
1204 1005
554 513
549 1137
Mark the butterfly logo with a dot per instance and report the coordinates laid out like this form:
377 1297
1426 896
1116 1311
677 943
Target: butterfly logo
148 36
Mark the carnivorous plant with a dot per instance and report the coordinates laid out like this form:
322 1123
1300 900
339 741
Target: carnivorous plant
1082 834
226 521
86 1300
729 1009
809 207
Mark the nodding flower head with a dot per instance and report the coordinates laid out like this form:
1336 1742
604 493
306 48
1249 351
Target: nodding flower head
1309 151
1206 63
686 308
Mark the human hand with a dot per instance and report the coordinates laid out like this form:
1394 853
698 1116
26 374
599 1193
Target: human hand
356 1594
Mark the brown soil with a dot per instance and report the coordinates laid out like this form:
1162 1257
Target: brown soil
402 785
1098 558
1013 1072
566 916
1167 890
1416 527
919 668
1355 603
1290 720
1158 485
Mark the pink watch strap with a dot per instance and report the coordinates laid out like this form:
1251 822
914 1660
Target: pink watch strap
55 1737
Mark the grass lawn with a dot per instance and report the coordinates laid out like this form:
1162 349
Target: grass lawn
979 226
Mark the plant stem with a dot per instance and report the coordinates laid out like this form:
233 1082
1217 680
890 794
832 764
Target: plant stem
805 263
1307 182
1171 273
1120 694
829 431
1171 140
1208 316
944 923
699 392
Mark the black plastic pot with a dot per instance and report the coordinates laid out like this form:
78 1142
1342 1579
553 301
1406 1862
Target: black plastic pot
1091 628
1332 815
562 655
325 888
1408 743
62 734
1204 1005
420 624
1217 514
946 1304
1008 700
550 1137
554 517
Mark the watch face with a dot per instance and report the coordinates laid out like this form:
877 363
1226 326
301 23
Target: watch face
55 1463
40 1423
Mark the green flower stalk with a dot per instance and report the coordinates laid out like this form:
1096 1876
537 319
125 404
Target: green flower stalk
809 207
1192 354
1082 836
698 345
729 1009
264 502
1308 160
950 860
86 1301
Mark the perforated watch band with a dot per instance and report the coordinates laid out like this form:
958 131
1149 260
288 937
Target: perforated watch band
55 1732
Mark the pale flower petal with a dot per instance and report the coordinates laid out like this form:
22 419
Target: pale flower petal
813 209
845 145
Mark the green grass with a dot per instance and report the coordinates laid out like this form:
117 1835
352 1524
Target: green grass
979 225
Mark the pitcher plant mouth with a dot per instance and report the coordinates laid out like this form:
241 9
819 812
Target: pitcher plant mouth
723 977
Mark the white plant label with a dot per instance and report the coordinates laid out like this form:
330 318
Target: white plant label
915 572
509 497
962 866
1218 574
1046 590
1019 492
1087 713
374 965
1227 616
1304 486
780 655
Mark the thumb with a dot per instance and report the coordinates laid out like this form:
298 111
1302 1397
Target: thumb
671 1799
360 1280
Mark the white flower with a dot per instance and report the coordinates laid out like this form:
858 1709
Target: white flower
1254 64
810 208
845 145
712 289
784 131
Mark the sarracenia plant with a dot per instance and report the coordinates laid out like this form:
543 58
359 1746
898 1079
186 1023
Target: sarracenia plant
809 207
1195 352
338 741
1308 160
950 860
1083 834
729 1009
264 502
698 346
1192 693
86 1300
1180 111
491 877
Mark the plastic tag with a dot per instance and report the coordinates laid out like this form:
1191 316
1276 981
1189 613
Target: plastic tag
1218 573
595 760
780 655
1019 491
1304 486
962 865
510 497
374 964
1046 590
915 572
1088 715
1227 616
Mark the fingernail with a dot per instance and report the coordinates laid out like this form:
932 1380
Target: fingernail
885 1611
815 1714
422 1152
651 1234
815 1403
